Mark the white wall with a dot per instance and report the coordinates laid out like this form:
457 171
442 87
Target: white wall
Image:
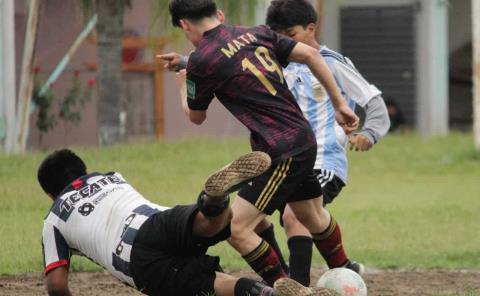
432 55
7 72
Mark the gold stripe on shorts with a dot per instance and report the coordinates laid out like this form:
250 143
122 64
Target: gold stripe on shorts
273 184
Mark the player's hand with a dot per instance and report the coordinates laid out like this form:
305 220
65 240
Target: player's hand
172 60
360 143
347 119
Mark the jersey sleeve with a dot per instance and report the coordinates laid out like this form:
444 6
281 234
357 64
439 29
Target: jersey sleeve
56 251
290 76
200 89
352 83
282 46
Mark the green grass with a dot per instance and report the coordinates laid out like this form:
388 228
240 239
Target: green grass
410 202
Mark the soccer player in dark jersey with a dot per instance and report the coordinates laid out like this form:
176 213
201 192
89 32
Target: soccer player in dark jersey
242 67
158 250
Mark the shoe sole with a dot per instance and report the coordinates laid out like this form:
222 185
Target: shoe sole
234 175
289 287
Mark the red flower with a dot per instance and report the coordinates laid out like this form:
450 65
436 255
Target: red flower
76 73
36 70
91 82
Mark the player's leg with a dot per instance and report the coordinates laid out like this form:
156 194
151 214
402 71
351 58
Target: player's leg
257 252
324 229
259 198
300 246
266 231
332 185
213 203
226 285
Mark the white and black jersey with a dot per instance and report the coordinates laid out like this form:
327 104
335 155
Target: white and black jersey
98 216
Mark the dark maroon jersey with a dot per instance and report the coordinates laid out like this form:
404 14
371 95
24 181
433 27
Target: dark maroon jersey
242 67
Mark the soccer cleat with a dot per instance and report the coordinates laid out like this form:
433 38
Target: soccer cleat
355 266
289 287
233 176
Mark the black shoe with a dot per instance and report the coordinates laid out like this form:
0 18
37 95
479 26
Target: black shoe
355 266
233 176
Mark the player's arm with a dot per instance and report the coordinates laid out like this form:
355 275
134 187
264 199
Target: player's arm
376 126
174 61
56 257
368 97
57 282
195 116
305 54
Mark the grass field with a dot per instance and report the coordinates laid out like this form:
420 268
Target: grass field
410 202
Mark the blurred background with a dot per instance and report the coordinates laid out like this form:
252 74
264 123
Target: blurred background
82 73
110 89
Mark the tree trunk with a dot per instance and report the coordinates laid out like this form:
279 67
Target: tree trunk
26 79
109 46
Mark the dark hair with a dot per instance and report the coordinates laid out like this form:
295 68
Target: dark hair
58 170
193 10
284 14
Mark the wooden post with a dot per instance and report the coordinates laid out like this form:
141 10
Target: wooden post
159 101
320 12
476 71
26 80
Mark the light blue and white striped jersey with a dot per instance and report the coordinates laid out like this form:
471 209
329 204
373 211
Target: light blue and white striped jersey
317 107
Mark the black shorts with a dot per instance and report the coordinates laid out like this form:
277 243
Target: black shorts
167 259
288 181
331 185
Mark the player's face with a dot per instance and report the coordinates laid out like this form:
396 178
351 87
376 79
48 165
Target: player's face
301 34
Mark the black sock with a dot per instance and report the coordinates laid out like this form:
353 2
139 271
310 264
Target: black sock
212 206
268 235
249 287
300 258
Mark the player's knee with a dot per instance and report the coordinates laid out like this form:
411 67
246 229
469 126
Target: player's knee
262 226
292 225
289 219
307 221
239 234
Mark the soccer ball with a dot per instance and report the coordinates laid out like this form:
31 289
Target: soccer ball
344 281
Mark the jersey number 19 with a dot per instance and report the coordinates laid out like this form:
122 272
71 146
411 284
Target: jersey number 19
264 58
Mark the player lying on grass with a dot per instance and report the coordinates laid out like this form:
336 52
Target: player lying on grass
297 19
241 67
159 251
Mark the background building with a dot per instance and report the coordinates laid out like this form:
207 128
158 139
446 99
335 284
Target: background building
418 52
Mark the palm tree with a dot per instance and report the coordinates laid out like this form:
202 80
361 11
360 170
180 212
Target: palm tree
109 47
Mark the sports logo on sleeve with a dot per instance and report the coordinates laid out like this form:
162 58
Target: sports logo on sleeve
191 89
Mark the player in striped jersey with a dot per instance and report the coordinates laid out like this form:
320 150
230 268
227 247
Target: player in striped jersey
158 250
297 19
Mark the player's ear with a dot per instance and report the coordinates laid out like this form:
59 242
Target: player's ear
311 28
221 16
185 25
